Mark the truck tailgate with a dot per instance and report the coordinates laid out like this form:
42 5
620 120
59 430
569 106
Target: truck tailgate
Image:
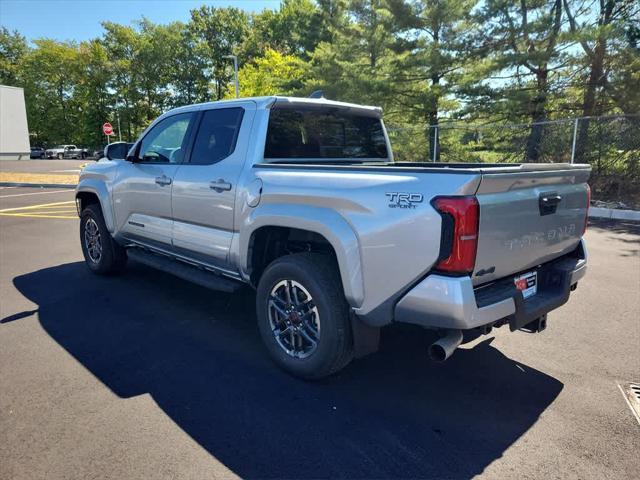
528 217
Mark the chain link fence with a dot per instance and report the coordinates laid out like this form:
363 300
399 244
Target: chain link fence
610 144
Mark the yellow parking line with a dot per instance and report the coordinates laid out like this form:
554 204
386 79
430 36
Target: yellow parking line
64 210
31 215
53 207
31 207
44 212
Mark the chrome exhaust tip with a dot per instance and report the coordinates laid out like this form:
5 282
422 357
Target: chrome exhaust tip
442 349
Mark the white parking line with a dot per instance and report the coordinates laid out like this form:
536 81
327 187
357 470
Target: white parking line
34 193
626 399
2 188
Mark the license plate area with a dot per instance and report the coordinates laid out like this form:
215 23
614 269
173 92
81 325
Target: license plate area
527 283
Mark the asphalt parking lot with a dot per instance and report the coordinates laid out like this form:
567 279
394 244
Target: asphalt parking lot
145 376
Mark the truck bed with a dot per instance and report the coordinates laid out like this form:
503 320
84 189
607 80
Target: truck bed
515 232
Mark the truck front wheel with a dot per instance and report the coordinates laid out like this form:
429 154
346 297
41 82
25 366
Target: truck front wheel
101 252
303 316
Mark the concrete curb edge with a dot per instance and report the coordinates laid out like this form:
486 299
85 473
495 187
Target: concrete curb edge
37 185
614 213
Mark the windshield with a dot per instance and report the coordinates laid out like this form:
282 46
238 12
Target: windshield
324 133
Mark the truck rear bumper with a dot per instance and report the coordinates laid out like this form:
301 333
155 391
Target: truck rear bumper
445 302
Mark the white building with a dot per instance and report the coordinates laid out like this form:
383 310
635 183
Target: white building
14 132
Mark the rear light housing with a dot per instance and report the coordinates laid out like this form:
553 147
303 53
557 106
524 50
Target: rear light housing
460 219
586 216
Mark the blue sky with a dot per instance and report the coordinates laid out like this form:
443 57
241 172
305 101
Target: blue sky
80 19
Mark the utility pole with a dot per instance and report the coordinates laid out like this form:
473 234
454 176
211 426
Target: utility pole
235 72
117 109
435 143
119 131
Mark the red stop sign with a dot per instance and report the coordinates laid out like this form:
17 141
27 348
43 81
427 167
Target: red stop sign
107 129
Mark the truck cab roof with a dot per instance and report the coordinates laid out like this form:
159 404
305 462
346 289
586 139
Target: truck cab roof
268 102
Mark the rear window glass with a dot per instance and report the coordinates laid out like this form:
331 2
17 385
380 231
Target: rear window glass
217 135
312 132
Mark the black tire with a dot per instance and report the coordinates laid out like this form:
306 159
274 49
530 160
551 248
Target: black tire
60 156
113 257
319 275
83 155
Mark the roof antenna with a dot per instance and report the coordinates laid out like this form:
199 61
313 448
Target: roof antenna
317 94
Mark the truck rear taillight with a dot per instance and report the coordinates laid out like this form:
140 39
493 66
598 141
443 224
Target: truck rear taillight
460 217
586 217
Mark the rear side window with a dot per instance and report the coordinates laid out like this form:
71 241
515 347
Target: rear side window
325 132
217 135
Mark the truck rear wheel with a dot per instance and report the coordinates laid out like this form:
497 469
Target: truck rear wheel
60 156
101 252
303 316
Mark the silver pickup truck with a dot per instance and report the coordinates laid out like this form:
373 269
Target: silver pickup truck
301 199
66 151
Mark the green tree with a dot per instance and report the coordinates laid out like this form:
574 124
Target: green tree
91 93
122 44
355 65
220 31
624 78
295 28
524 42
602 35
430 41
49 73
188 82
272 74
156 50
13 48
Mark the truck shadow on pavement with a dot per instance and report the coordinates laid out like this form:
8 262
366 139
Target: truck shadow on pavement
199 355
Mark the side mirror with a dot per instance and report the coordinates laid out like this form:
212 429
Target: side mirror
116 151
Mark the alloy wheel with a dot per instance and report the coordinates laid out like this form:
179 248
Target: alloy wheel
294 318
92 240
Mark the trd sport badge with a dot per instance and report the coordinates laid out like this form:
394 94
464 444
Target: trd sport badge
404 200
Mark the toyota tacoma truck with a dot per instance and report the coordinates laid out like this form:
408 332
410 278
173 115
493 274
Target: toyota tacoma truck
301 199
66 151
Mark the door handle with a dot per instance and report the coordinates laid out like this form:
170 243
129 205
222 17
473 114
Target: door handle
220 185
163 180
552 199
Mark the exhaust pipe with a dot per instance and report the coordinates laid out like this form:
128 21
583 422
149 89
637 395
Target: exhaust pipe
442 349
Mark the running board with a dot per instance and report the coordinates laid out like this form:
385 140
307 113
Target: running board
193 274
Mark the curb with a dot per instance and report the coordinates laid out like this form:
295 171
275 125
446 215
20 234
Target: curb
37 185
614 214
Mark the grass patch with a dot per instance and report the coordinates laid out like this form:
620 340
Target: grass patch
18 177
